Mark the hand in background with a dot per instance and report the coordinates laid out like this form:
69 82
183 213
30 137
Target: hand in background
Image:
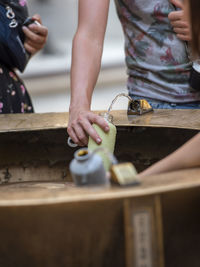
180 25
36 36
80 126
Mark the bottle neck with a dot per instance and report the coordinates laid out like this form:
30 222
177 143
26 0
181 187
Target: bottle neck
108 117
82 155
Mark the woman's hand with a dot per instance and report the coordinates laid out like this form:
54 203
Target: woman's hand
180 26
36 36
80 126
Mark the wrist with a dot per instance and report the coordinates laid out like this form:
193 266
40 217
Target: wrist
78 106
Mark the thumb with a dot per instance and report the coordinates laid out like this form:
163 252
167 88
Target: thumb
177 3
37 17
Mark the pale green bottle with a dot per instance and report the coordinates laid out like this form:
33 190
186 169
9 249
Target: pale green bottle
108 140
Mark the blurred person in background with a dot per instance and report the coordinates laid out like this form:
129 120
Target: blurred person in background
14 97
158 65
188 155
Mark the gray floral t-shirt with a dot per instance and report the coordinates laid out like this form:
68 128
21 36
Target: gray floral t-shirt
157 61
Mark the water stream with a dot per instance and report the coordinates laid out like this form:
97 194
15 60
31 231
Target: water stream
115 99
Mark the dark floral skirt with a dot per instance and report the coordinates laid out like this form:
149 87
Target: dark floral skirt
14 97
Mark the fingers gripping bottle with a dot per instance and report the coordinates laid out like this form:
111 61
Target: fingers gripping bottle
108 140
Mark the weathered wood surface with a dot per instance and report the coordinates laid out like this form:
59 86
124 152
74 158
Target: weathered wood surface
36 193
56 224
144 232
187 119
65 234
181 220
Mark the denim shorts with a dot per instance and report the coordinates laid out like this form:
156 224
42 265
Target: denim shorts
157 104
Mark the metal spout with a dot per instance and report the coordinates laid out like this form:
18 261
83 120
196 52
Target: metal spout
139 107
135 107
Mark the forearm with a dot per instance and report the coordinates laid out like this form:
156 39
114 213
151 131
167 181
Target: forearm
187 156
87 50
86 63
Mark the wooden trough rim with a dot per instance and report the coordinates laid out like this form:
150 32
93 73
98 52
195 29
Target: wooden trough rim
185 119
157 184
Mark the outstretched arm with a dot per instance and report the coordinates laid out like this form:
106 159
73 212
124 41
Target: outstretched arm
86 62
187 156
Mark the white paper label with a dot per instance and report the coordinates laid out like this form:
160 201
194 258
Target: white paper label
142 239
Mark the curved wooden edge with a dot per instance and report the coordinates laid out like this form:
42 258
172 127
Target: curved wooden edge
158 184
163 118
32 122
186 119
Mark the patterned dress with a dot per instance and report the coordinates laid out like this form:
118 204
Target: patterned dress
14 97
157 62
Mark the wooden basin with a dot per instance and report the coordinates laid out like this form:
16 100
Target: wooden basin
34 146
46 221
